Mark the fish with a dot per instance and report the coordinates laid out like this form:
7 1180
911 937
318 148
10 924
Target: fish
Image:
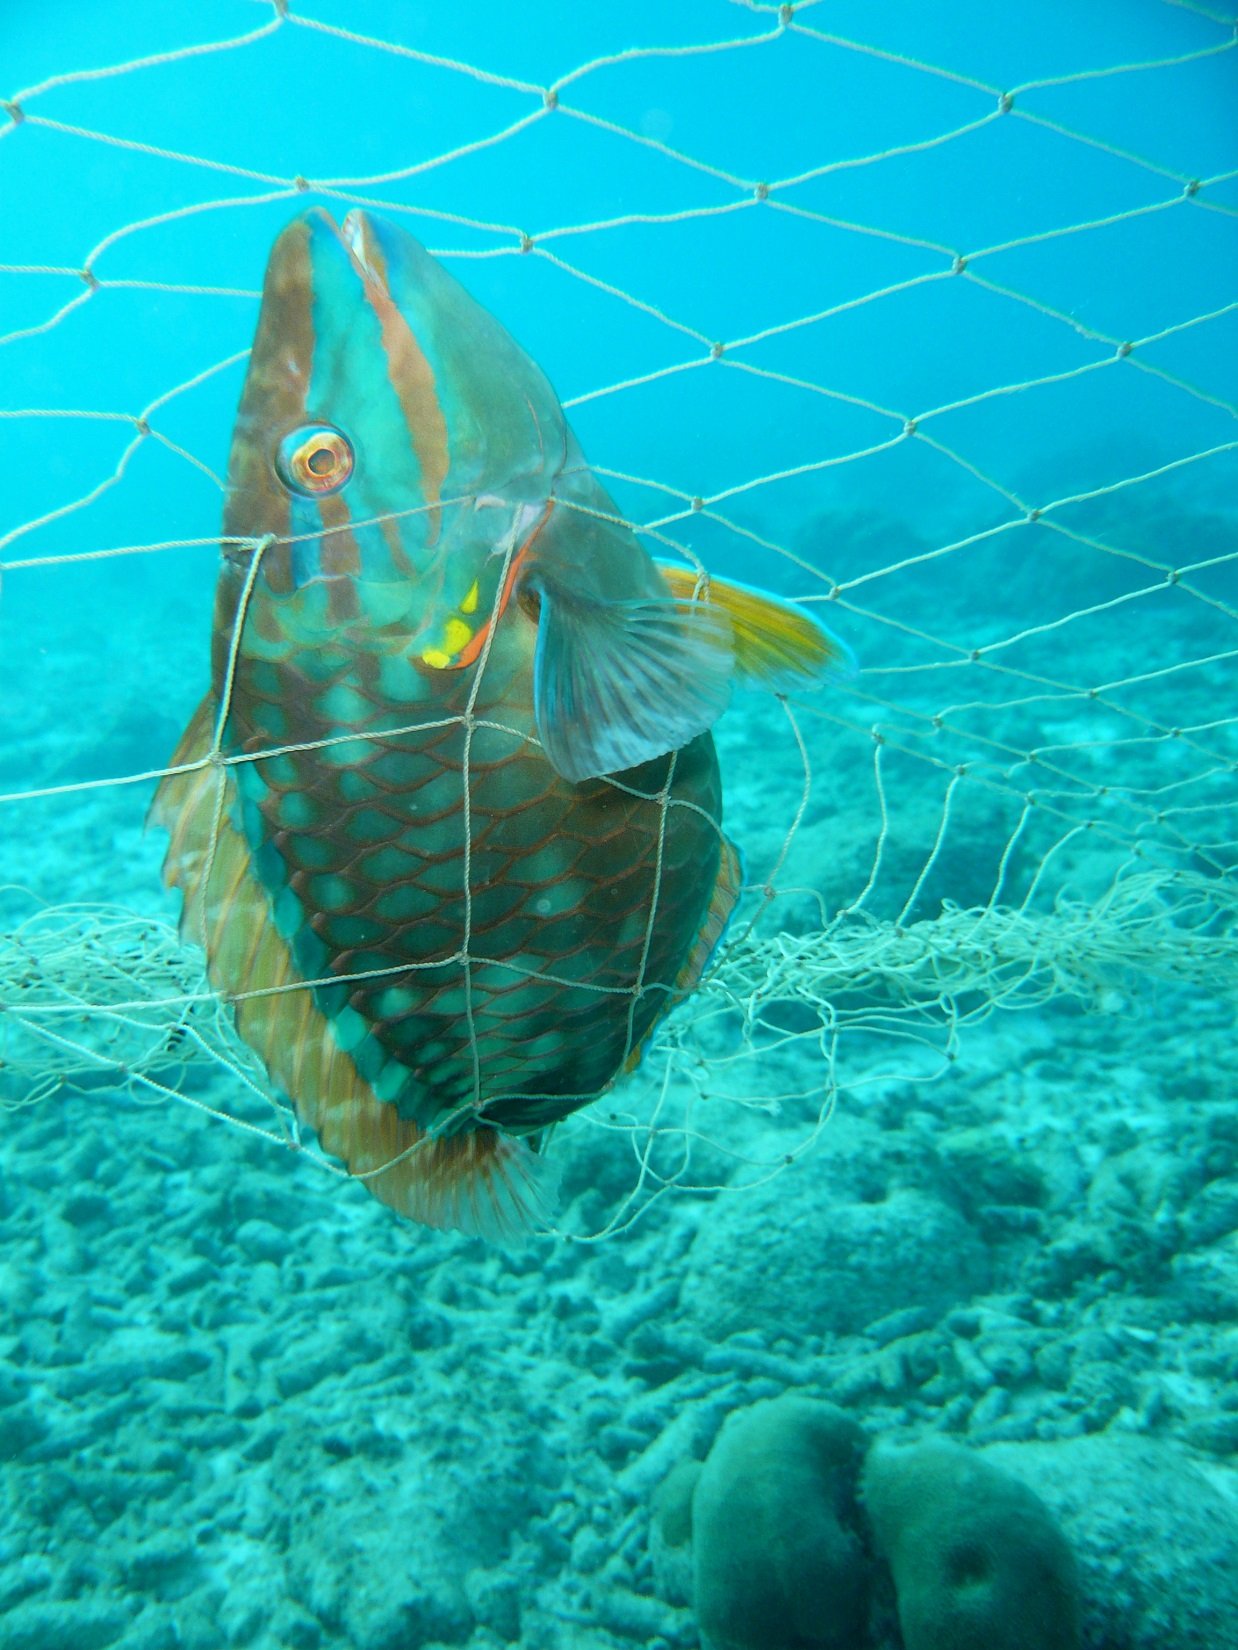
447 821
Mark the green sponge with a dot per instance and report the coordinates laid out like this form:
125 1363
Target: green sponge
778 1561
978 1563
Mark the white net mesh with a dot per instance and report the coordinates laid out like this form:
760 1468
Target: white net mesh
986 428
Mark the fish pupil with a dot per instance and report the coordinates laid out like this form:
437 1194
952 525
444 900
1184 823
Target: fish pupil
314 460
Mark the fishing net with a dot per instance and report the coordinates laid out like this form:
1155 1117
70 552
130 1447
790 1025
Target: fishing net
930 335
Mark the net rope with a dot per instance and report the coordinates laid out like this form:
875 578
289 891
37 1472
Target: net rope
1018 824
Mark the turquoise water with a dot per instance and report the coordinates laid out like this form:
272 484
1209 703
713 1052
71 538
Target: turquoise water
972 279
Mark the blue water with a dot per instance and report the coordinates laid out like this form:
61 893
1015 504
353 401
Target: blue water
239 1402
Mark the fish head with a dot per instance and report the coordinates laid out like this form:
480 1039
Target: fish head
394 443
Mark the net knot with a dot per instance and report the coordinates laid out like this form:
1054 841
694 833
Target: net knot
959 264
14 111
785 14
1005 103
761 192
526 242
550 98
300 184
717 351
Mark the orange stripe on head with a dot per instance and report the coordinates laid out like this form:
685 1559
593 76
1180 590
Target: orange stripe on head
274 398
411 377
390 529
340 556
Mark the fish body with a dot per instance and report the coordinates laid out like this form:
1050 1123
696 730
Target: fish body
448 821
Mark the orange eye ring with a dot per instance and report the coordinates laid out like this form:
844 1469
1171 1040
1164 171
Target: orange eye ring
314 459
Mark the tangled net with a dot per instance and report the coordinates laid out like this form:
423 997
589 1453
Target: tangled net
1046 643
94 996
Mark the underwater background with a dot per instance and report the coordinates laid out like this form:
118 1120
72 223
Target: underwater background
925 317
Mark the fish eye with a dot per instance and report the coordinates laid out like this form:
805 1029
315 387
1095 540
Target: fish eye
314 459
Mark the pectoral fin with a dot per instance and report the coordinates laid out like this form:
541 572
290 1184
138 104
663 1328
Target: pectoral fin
616 683
777 643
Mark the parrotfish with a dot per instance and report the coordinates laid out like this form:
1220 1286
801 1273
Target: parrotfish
447 822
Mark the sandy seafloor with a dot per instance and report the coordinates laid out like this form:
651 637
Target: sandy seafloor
240 1404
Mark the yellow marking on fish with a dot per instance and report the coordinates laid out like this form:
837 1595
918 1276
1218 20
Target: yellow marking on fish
469 604
456 634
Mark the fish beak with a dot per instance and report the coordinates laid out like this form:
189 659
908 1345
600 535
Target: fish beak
357 234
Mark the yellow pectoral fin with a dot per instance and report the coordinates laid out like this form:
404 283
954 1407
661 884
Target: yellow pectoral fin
778 644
